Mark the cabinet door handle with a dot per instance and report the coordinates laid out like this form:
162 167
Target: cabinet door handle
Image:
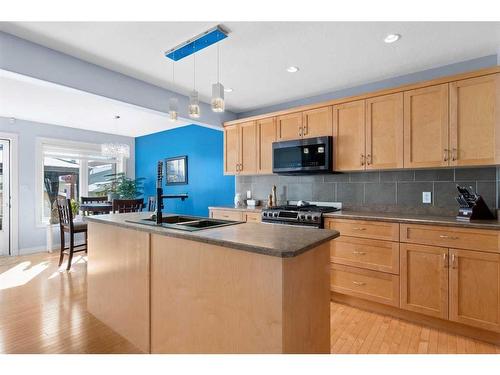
306 129
454 154
368 159
445 260
362 160
448 237
358 283
453 261
356 228
446 154
300 131
355 252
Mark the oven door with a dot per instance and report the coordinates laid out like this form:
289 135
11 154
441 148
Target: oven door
303 156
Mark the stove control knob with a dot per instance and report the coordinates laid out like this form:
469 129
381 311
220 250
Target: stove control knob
309 217
302 217
316 218
264 214
275 214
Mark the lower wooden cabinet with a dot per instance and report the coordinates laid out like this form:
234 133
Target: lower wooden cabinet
371 285
251 217
226 215
424 279
475 289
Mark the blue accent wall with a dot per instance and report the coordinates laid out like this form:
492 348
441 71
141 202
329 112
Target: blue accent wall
207 184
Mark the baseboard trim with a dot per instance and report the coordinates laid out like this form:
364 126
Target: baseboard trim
446 325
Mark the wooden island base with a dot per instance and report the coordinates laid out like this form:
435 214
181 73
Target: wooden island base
173 295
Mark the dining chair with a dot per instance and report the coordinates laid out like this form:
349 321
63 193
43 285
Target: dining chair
92 200
151 203
67 225
127 205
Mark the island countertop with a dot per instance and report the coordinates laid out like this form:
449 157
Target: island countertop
267 239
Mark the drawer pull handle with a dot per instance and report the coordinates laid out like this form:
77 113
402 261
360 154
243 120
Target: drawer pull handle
358 252
453 261
356 228
448 237
359 283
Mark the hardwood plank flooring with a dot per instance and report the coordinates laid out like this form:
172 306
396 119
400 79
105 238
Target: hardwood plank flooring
390 335
44 310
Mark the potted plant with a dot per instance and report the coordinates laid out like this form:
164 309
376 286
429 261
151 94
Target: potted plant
121 186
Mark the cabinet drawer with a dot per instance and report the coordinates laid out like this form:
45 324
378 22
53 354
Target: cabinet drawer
458 238
227 215
371 285
365 253
376 230
252 217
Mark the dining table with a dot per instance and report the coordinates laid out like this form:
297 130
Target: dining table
96 208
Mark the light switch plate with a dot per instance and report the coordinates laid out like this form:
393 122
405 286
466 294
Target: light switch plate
426 197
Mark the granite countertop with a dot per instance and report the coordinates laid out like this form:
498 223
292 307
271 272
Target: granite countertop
242 208
267 239
449 221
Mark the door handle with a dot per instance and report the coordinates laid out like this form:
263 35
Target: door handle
446 154
454 154
362 160
453 261
368 159
445 260
306 129
300 131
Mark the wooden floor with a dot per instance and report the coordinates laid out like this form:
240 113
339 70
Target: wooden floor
44 310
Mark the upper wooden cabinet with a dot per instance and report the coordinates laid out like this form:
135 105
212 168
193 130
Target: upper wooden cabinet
452 121
475 121
317 122
266 132
475 288
384 132
240 148
349 136
231 149
308 124
289 126
426 127
248 148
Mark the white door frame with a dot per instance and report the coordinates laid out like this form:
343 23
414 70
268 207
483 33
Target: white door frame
14 191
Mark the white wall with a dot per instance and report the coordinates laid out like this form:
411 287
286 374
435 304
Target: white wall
31 237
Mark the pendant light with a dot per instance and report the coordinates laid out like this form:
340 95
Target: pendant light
194 101
173 103
218 90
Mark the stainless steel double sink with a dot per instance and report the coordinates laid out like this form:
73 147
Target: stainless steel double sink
186 223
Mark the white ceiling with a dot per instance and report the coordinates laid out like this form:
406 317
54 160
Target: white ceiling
30 99
331 55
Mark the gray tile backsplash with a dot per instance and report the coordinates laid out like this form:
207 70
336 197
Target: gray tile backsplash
386 191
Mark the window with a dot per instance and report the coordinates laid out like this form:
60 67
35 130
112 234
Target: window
71 170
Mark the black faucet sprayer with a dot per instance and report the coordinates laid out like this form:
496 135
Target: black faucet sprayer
159 193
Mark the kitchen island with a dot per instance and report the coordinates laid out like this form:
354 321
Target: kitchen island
245 288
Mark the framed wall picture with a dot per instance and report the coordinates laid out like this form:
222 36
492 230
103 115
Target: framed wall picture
176 170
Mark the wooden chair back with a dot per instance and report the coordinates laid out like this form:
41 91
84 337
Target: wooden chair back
65 213
94 199
127 205
151 204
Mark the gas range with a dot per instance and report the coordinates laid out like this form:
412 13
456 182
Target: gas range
310 215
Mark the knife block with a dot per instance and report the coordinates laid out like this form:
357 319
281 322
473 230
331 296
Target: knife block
479 211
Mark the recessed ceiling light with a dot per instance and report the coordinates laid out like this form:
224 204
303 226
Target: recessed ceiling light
117 117
292 69
391 38
228 89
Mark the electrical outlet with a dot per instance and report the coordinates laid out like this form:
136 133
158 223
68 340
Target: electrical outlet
426 197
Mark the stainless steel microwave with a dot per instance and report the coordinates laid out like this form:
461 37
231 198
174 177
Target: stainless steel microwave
303 156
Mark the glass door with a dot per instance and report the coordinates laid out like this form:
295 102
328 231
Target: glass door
4 197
